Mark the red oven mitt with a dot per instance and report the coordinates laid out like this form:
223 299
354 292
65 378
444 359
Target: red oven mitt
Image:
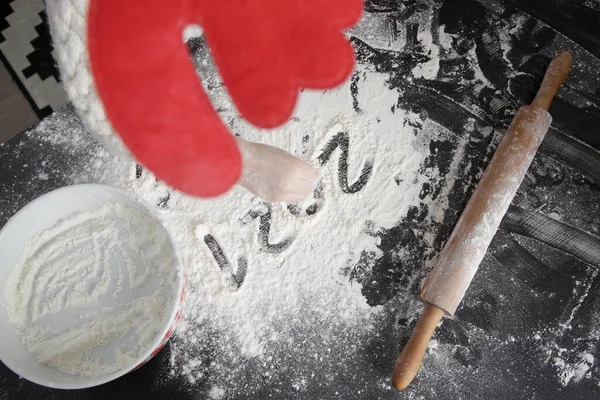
265 50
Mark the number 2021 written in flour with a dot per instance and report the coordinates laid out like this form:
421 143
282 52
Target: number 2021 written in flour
234 277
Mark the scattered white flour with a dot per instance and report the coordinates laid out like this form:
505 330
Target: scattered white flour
262 303
573 364
89 293
576 370
259 272
429 69
280 266
216 393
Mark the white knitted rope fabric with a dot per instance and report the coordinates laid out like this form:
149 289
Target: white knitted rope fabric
68 27
289 182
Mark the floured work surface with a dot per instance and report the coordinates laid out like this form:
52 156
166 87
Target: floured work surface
315 300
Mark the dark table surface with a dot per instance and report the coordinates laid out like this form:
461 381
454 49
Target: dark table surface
529 327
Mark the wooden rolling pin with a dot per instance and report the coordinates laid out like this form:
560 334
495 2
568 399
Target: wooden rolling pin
448 281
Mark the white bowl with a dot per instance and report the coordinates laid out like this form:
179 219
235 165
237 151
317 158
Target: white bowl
38 215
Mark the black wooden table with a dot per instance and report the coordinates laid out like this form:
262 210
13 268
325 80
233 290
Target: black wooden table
529 327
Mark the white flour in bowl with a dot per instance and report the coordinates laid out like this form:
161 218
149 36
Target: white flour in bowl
89 293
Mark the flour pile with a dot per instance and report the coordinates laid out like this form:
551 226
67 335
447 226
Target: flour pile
90 293
257 272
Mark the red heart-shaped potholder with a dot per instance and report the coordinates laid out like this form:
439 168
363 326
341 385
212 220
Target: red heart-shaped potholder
265 50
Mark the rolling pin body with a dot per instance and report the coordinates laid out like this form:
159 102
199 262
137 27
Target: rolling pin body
447 283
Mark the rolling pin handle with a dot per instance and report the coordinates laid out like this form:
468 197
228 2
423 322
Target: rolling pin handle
410 359
554 77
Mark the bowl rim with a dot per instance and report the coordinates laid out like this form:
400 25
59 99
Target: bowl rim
143 356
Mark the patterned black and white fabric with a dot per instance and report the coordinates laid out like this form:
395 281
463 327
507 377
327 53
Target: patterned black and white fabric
26 51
